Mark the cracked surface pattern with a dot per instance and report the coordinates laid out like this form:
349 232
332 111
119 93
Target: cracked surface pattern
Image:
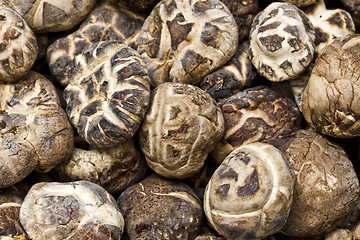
282 42
108 94
181 127
75 210
51 15
34 130
183 41
332 95
326 183
160 208
108 21
18 46
249 196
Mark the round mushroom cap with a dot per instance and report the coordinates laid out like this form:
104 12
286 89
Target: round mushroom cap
113 168
184 40
108 94
249 195
35 132
160 208
181 127
301 3
331 99
326 184
282 42
51 15
18 46
108 21
76 210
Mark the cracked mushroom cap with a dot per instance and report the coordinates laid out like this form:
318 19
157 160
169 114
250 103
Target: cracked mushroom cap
332 95
282 42
108 94
35 132
326 186
249 195
184 40
75 210
18 46
181 127
160 208
51 15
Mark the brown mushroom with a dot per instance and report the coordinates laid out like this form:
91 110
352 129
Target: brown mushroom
353 6
301 3
140 5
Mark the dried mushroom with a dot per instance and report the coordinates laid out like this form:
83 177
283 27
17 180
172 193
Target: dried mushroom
301 3
35 132
326 184
184 40
232 77
208 236
249 195
353 6
18 46
108 21
160 208
256 114
298 85
282 42
181 127
76 210
343 234
332 95
51 15
108 94
113 168
139 5
328 24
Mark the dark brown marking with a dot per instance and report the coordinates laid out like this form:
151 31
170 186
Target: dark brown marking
52 14
211 35
293 30
286 66
174 111
251 185
295 44
241 156
223 190
337 20
182 130
227 172
178 31
192 60
272 43
270 26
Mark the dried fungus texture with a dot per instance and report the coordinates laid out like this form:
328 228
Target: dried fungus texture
328 24
113 168
35 132
249 196
353 6
256 114
183 41
140 5
160 208
108 21
332 95
282 42
232 77
109 93
344 234
75 210
208 236
18 46
301 3
326 185
51 15
181 127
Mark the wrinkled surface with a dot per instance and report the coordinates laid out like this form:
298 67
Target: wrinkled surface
159 208
181 127
76 210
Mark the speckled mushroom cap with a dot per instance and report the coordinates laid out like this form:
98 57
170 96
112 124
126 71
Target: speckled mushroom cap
51 15
75 210
108 21
108 94
353 6
301 3
113 168
160 208
326 183
332 95
183 41
256 114
181 127
328 24
249 195
34 130
18 46
282 42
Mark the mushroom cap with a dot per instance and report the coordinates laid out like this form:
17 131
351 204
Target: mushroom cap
301 3
353 6
108 94
18 46
332 95
249 195
184 40
181 127
282 42
51 15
